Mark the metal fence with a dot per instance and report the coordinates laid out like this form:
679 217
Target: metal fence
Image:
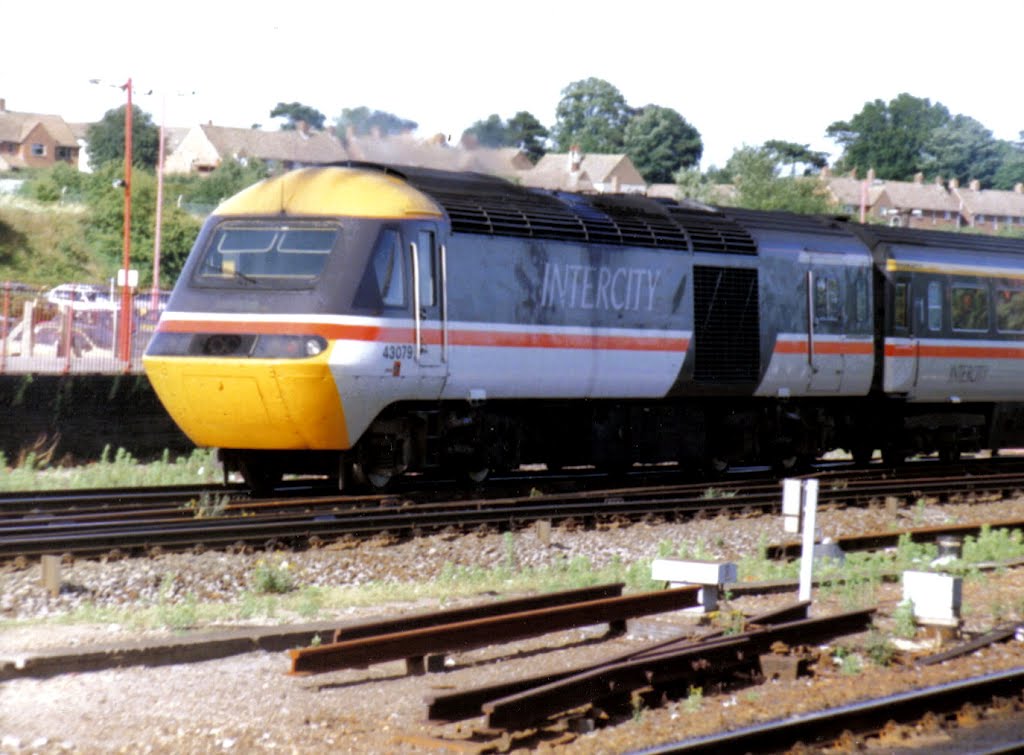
73 328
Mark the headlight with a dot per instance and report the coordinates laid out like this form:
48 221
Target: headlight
288 347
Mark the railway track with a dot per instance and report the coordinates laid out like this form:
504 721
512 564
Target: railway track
133 520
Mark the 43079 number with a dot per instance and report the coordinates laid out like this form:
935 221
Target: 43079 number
398 351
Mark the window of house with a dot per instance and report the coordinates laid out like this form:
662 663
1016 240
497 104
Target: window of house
1010 310
900 306
63 153
934 306
969 307
39 150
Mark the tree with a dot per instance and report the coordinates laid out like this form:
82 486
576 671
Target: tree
793 154
363 121
227 179
491 132
964 149
106 139
1011 165
522 130
891 138
659 141
690 184
526 132
592 115
295 113
755 173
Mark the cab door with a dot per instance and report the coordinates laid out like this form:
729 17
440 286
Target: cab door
430 323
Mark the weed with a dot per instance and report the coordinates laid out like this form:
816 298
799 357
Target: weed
272 578
694 700
879 649
903 615
209 506
311 602
851 665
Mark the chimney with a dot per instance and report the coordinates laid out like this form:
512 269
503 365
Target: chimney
919 179
871 175
3 105
1018 188
575 158
975 184
954 183
302 127
826 172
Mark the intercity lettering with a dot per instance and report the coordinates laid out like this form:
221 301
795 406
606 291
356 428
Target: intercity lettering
616 289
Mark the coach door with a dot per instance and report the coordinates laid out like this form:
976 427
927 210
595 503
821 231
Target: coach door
908 314
825 328
430 306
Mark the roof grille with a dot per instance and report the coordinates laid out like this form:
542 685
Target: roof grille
481 204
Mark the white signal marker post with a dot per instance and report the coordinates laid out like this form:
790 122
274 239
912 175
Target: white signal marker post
800 500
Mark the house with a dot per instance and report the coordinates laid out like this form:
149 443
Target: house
34 140
990 209
574 171
205 147
916 204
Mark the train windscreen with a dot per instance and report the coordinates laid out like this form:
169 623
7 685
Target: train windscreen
270 255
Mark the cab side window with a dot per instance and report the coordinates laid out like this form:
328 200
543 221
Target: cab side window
387 269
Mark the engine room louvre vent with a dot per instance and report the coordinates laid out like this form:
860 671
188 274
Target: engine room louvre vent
481 204
712 232
726 325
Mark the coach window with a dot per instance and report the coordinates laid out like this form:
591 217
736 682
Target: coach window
860 301
387 267
970 308
900 306
826 298
934 306
1010 310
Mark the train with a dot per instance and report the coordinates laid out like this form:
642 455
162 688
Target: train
364 322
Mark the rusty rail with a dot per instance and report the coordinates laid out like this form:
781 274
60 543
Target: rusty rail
690 665
414 645
461 704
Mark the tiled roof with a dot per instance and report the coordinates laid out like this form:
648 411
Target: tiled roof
15 127
918 196
291 145
992 202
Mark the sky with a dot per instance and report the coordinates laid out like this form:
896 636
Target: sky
740 72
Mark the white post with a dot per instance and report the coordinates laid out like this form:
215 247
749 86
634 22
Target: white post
810 496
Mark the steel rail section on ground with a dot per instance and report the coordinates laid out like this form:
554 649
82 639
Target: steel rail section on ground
866 716
491 630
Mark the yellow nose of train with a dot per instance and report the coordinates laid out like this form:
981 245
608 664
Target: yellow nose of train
252 403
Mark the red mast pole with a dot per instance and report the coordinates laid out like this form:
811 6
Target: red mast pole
125 320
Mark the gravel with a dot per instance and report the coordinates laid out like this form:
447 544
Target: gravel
247 703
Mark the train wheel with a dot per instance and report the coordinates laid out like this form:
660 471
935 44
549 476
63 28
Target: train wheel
476 475
893 457
715 468
262 478
372 479
862 455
